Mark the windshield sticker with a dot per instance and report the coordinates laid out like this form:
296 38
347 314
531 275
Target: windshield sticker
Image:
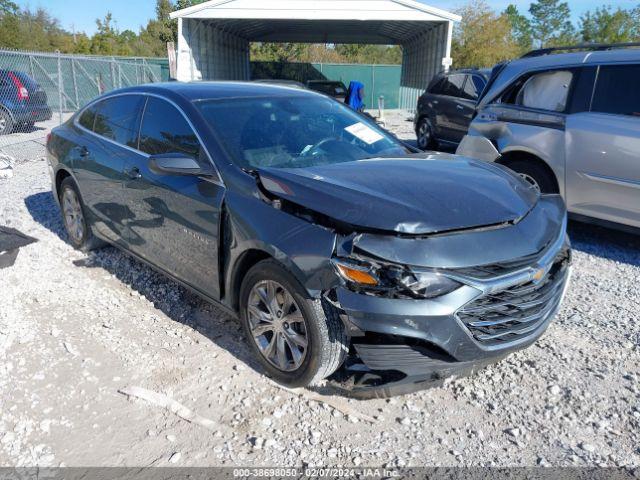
363 132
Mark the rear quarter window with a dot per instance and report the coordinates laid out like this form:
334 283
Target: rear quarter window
87 118
618 90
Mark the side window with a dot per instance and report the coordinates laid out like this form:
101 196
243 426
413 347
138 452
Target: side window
453 85
473 87
164 130
117 118
546 91
617 90
88 118
436 88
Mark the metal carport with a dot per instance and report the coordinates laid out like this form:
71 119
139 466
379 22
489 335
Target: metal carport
214 36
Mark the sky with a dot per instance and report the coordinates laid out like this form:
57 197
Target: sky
132 14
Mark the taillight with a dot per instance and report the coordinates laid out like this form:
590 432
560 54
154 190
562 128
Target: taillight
48 138
23 93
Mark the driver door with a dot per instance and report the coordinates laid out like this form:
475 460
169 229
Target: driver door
176 218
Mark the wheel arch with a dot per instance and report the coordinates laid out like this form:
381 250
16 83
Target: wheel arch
60 175
245 261
517 154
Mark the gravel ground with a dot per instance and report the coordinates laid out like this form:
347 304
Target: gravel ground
75 329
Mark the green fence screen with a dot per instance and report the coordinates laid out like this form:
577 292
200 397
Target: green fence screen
377 79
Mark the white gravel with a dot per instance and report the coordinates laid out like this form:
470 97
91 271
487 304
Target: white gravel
74 329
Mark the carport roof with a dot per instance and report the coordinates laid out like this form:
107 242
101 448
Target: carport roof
322 21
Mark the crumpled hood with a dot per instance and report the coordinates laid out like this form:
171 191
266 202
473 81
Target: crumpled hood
435 193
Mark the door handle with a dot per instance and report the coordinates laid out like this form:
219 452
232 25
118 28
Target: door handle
134 173
459 107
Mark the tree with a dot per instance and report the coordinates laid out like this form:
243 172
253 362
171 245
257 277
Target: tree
278 52
520 28
376 54
605 25
483 38
551 23
7 7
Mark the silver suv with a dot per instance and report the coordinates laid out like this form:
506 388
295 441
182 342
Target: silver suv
569 123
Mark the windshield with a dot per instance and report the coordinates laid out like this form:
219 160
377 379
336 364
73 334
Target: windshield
295 132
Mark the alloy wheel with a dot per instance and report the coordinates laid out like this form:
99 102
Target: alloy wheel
277 325
531 181
73 217
424 134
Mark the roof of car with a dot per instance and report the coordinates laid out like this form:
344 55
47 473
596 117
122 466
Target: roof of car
514 69
583 57
482 71
205 90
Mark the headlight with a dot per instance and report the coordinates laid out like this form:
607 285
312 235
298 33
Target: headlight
393 281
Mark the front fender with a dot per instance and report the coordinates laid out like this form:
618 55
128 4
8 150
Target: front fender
305 249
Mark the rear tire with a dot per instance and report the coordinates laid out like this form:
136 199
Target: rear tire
74 218
313 338
6 123
535 174
424 134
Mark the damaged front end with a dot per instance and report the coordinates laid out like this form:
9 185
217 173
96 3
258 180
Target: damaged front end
422 307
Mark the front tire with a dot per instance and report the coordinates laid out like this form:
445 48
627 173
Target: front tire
297 340
74 218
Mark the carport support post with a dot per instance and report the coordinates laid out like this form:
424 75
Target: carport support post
60 85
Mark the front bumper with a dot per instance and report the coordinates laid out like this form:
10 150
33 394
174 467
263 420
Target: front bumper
400 345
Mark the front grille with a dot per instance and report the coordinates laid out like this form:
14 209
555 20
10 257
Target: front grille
516 312
498 269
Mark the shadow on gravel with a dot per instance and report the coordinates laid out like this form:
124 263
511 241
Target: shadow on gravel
605 242
175 301
44 210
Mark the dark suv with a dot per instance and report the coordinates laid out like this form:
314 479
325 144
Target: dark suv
446 108
22 101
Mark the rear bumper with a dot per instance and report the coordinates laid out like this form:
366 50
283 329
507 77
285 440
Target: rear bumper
32 113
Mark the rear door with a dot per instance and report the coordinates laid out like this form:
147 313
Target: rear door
603 149
106 141
451 106
466 106
176 218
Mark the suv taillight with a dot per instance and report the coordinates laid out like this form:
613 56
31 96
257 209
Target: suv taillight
23 93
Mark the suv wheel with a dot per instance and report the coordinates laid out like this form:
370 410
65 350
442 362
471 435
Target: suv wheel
6 123
73 216
297 340
535 174
425 135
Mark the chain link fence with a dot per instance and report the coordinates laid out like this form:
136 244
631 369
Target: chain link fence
41 90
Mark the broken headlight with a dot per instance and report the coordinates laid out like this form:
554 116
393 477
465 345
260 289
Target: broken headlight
393 281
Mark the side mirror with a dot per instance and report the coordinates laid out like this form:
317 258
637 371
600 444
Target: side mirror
176 164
